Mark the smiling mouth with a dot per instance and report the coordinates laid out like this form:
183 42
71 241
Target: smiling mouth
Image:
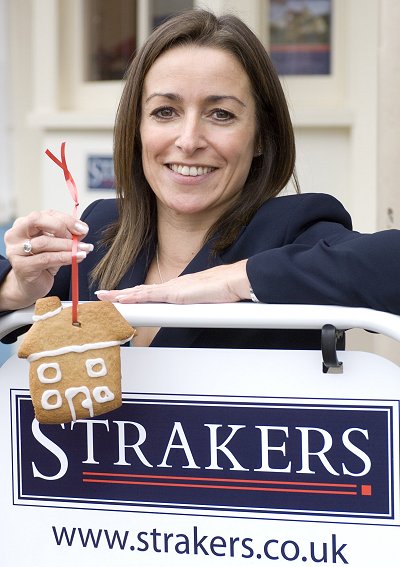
190 171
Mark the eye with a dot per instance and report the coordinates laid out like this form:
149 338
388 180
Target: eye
222 115
163 113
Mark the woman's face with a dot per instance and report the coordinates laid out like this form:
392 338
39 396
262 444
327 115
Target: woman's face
197 130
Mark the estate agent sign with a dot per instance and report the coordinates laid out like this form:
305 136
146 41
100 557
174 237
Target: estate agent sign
215 457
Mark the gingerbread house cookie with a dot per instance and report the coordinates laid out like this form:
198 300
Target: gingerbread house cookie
75 371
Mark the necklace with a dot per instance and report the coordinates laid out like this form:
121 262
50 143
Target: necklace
158 266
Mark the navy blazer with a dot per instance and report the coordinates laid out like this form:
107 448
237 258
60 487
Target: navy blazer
301 250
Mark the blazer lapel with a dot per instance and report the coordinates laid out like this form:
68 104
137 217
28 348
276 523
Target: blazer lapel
136 275
174 337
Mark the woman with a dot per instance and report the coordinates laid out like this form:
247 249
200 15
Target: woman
203 145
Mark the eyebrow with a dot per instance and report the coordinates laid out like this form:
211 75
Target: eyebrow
211 98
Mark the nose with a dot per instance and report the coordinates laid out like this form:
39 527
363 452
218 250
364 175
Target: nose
191 135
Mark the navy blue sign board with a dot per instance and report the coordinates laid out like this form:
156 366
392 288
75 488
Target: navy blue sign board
214 455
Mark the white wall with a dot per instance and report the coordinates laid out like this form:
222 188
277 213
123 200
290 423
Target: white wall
388 136
24 141
6 200
389 115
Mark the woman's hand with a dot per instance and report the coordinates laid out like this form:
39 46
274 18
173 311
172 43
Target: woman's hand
49 235
222 284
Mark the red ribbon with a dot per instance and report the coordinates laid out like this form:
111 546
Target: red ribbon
74 194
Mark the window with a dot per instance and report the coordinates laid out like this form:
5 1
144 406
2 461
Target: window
112 34
48 373
96 367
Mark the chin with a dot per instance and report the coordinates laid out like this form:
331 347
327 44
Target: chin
190 211
186 206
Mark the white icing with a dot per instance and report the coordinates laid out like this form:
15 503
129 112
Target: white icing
91 363
43 367
47 394
75 348
103 394
47 315
70 393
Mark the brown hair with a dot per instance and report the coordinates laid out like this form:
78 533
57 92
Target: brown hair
269 172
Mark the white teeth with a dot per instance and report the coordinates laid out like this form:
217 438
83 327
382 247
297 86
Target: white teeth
191 171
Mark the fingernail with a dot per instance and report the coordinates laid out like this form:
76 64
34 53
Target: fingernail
81 227
101 291
87 246
81 255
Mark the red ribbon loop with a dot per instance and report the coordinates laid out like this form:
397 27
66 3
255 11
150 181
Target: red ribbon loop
74 194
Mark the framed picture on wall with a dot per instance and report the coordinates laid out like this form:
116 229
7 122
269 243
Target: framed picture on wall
100 172
300 34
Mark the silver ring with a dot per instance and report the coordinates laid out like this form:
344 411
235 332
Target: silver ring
27 247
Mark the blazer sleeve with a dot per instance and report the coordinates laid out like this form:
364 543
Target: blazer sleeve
324 262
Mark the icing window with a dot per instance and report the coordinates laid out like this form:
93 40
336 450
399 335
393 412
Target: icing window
103 394
96 367
47 404
48 373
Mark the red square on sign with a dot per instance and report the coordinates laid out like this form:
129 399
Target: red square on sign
366 490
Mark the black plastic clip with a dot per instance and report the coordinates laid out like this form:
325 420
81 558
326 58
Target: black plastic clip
329 339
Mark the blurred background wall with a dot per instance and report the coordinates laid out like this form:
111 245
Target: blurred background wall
61 69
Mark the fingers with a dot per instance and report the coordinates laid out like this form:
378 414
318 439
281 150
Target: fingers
155 293
45 223
46 243
139 294
37 245
221 284
178 291
112 296
49 261
46 235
